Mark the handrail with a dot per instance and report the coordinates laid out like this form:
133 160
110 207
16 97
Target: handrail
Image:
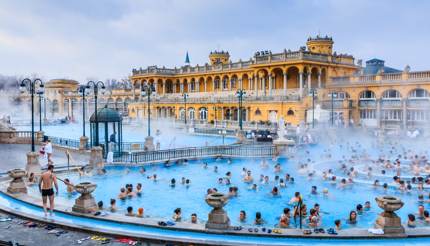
235 150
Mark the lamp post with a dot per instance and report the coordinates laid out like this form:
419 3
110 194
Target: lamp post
240 93
185 95
33 165
332 107
83 92
40 93
147 90
222 132
95 86
27 84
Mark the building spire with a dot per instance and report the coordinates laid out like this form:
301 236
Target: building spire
187 59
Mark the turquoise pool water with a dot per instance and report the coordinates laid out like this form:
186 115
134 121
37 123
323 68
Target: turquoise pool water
159 199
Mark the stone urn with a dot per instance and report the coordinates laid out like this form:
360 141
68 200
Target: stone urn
17 185
86 202
217 218
388 220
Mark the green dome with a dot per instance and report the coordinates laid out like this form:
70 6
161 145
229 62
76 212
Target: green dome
106 115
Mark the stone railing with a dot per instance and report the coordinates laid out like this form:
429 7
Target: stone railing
403 77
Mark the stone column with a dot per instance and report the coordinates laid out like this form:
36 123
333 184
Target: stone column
256 80
198 86
285 83
33 165
164 87
263 85
404 116
205 84
301 84
240 84
270 84
309 82
319 79
96 158
174 87
181 87
213 85
250 81
83 143
378 113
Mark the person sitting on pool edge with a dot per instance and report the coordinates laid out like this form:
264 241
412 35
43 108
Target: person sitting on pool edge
194 218
352 220
284 221
338 225
411 221
242 216
113 205
177 215
140 212
258 220
130 211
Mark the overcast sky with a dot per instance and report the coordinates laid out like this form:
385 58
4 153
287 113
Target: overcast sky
83 39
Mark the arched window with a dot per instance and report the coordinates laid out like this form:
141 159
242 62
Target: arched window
225 83
216 83
257 111
191 114
203 113
290 112
182 113
391 94
419 93
367 95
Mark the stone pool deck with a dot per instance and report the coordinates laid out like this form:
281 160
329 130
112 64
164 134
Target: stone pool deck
14 156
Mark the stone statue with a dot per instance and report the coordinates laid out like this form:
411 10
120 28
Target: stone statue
281 128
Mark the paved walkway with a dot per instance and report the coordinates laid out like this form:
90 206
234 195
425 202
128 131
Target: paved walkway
14 156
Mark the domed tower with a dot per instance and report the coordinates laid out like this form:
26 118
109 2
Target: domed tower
219 57
320 45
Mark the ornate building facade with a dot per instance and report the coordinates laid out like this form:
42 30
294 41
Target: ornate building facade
276 85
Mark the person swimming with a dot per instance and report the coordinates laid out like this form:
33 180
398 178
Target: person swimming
284 221
242 216
275 191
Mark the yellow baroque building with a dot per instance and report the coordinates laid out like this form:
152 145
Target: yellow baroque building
276 85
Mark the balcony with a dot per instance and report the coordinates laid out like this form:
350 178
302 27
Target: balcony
403 77
367 103
256 60
391 103
418 103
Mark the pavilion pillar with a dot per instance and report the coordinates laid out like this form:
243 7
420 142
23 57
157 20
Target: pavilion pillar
319 80
270 84
309 82
285 83
301 84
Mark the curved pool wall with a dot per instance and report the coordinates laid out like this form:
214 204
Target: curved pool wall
23 209
159 199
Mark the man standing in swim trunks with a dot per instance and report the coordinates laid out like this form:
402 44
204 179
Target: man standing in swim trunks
47 180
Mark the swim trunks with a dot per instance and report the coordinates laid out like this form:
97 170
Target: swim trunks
48 192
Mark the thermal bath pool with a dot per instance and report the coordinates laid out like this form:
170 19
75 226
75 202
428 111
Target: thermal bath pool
169 137
159 198
307 166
